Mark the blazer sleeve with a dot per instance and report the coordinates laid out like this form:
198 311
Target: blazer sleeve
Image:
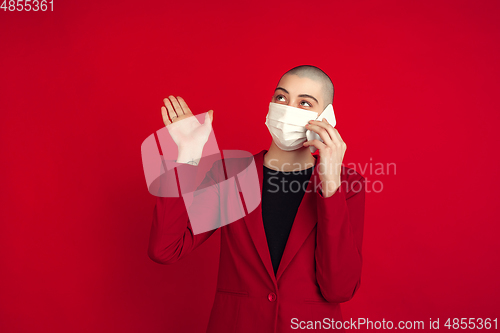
339 239
172 237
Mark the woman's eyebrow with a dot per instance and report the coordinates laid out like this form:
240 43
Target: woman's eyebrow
302 95
282 89
305 95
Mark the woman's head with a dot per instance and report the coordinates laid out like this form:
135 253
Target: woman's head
305 87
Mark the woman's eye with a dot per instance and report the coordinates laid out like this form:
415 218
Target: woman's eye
308 104
280 96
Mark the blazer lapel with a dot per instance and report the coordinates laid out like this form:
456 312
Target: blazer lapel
304 222
255 224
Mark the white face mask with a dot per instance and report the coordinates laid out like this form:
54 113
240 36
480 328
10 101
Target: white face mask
287 125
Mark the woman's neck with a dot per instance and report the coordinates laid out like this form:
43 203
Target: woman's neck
295 160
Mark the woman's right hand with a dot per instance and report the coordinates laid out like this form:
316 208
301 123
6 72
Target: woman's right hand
189 135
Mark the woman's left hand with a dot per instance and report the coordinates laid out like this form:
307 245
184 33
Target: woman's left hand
331 152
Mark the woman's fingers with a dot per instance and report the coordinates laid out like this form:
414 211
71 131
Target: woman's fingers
209 118
316 143
177 106
322 130
176 109
164 115
338 136
333 134
183 105
170 110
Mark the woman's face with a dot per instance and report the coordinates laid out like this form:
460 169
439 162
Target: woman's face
299 92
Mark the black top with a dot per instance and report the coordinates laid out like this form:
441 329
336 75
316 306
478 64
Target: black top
282 193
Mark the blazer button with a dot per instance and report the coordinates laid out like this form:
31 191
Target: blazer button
271 297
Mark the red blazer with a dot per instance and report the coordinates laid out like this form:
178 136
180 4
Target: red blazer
320 267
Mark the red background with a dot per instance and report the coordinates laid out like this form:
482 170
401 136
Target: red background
416 84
